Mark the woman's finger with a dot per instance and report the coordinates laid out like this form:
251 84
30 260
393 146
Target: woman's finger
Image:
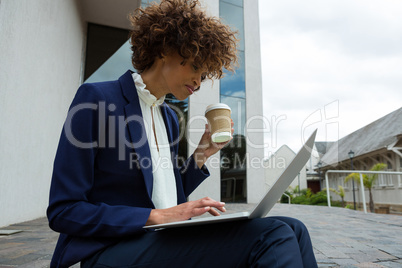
200 211
213 212
223 209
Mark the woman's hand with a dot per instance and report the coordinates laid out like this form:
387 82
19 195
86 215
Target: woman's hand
206 147
185 211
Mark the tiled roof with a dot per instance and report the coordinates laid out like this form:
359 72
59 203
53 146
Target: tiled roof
377 135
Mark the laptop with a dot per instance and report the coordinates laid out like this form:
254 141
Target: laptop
266 203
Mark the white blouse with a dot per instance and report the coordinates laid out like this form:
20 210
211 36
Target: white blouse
164 186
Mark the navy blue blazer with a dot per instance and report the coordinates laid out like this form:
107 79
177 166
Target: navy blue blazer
102 178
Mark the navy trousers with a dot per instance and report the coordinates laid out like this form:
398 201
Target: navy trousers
266 242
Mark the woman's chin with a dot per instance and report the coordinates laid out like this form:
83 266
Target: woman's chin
181 98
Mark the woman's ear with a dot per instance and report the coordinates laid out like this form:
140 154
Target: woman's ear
162 57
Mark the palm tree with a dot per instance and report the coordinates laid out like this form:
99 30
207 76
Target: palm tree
340 192
368 180
295 190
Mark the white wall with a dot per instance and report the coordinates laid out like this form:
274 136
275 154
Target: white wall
277 163
40 53
208 94
314 159
254 111
386 195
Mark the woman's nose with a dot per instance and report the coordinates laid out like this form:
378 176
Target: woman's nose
197 80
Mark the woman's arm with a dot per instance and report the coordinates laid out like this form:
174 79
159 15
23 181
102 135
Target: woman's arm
185 211
70 211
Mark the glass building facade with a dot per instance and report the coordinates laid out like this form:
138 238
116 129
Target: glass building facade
233 93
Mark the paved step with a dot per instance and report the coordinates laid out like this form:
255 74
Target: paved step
341 237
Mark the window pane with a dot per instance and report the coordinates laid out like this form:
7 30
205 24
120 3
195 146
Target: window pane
233 93
234 2
233 155
235 84
233 16
234 170
238 107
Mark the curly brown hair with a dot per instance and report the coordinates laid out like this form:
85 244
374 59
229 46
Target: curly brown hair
181 26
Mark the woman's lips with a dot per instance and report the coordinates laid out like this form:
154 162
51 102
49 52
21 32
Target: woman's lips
190 89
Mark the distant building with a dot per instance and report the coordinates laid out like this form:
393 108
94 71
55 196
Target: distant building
277 163
315 178
378 142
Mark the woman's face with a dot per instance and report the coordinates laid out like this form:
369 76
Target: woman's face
181 78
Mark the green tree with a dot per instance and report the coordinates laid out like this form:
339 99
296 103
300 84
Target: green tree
295 190
368 180
340 192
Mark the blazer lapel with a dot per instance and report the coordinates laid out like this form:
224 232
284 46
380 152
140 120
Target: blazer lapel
135 124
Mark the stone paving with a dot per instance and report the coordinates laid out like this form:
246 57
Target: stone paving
341 238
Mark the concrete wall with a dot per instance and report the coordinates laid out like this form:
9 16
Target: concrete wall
208 94
254 112
40 59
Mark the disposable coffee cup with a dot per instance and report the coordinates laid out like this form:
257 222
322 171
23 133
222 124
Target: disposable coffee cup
218 116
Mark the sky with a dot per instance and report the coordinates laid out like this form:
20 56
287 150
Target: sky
326 64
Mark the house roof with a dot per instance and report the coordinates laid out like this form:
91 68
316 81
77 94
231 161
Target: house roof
281 151
377 135
323 146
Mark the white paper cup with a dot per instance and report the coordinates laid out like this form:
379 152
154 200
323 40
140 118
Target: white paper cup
218 116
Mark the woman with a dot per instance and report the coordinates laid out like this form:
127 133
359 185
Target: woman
114 170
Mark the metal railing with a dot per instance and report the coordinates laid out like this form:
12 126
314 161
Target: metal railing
290 201
361 172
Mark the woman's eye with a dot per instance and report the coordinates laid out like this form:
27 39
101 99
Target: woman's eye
195 67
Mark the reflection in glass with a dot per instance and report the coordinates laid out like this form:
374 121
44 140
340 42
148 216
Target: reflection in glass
238 107
234 2
233 93
235 84
233 16
234 170
233 155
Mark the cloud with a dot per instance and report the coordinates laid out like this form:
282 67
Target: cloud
316 52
